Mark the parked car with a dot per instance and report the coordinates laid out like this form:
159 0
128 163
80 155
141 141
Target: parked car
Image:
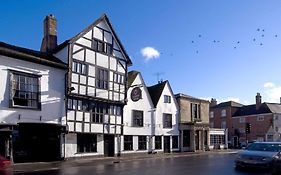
260 155
5 166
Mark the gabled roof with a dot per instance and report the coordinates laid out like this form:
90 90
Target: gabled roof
251 110
31 55
103 17
131 77
156 91
227 104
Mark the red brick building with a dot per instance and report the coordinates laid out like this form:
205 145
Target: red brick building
221 115
263 118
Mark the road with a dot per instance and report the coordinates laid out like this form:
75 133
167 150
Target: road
212 164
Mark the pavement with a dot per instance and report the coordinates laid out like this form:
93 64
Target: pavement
87 161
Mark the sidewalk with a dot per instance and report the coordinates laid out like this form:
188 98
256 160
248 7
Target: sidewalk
43 166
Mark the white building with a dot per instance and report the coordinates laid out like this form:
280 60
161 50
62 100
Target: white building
96 89
138 117
31 104
166 120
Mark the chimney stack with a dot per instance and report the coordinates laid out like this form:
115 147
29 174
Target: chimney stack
49 41
213 102
258 101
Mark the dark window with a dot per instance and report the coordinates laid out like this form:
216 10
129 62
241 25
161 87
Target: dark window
167 99
25 91
101 46
118 78
167 120
109 49
115 110
137 118
175 142
98 112
79 68
128 143
80 105
186 138
102 79
195 111
142 142
86 143
158 142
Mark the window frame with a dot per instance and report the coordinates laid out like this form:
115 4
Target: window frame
128 143
86 143
137 121
167 99
167 120
102 78
158 143
142 143
28 91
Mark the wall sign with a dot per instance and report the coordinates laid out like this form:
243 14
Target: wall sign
136 94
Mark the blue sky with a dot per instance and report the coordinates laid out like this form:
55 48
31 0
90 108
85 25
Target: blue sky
205 48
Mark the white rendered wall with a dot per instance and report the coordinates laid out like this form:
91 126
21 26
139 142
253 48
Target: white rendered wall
71 146
52 93
168 108
144 104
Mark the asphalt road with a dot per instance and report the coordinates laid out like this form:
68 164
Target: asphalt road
213 164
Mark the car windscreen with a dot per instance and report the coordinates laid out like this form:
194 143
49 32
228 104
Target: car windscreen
272 147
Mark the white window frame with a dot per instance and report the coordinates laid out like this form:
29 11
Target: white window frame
223 113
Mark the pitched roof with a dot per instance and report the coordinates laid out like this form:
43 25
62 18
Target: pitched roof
274 107
156 91
131 77
251 110
31 55
227 104
103 17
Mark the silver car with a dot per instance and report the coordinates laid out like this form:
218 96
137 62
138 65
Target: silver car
260 154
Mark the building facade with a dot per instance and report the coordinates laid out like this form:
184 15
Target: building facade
165 125
220 117
31 104
138 117
193 123
96 90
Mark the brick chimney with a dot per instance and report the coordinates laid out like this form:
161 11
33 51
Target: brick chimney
258 101
213 102
49 41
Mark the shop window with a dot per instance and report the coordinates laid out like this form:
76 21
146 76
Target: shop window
142 142
175 142
158 142
128 143
86 143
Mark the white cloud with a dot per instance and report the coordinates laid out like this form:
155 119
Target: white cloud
272 92
269 85
150 53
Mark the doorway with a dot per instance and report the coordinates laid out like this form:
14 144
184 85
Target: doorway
197 143
109 145
167 145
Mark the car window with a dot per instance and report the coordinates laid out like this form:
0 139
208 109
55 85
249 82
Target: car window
264 147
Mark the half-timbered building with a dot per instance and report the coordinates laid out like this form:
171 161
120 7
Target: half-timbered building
96 89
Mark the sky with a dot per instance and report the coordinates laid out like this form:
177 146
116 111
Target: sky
222 49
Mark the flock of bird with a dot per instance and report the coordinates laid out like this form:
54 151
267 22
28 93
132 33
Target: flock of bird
258 39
